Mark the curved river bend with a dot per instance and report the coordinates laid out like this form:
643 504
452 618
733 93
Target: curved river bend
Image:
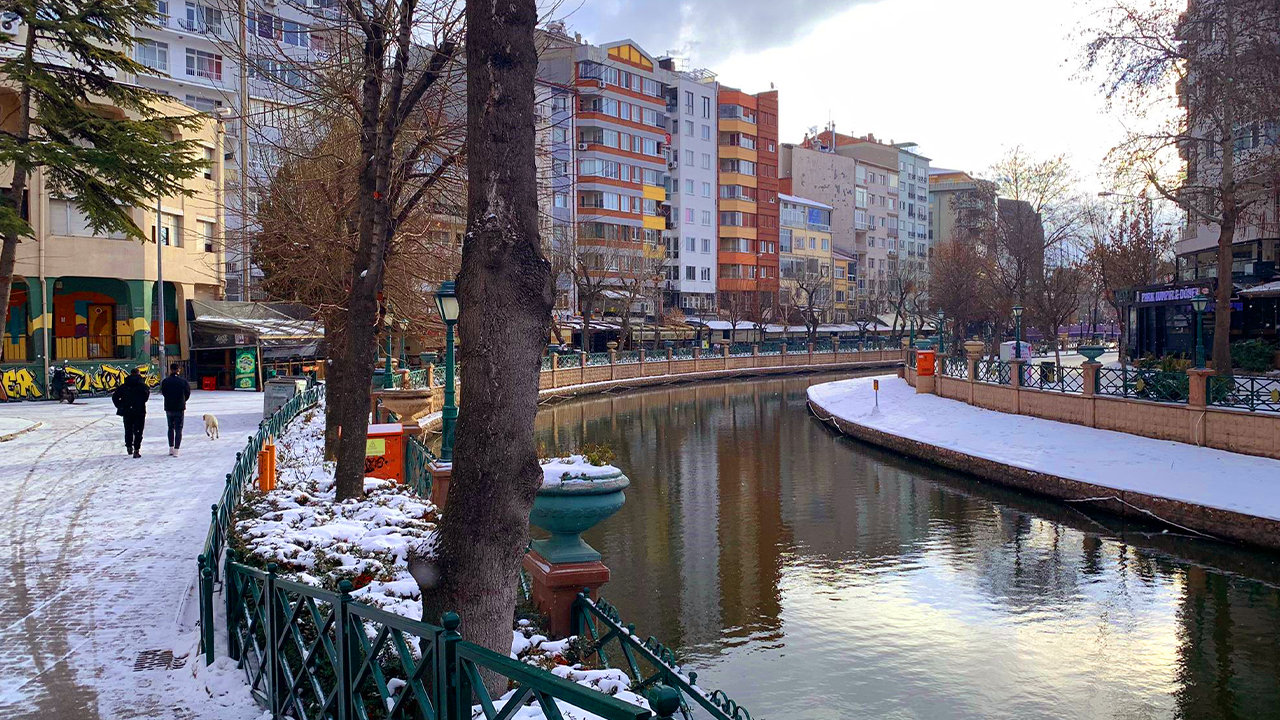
810 576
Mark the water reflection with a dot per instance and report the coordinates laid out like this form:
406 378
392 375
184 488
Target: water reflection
814 577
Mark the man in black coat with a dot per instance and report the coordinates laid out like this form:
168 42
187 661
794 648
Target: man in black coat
176 390
130 400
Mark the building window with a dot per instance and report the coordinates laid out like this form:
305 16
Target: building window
209 161
688 103
706 189
690 273
202 19
66 220
706 217
826 244
706 245
706 107
706 132
204 64
170 230
691 244
154 55
207 235
688 128
561 200
706 161
706 274
688 187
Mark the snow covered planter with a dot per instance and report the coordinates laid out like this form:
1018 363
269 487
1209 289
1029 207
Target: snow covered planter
576 495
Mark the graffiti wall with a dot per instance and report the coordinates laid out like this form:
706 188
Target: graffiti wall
24 382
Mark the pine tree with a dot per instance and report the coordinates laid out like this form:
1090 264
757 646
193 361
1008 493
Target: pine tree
67 72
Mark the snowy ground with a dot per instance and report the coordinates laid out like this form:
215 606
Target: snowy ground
98 559
13 426
1204 476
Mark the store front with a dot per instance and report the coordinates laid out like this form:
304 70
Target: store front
1161 320
239 345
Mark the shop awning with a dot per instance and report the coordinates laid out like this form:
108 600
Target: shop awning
220 324
1271 289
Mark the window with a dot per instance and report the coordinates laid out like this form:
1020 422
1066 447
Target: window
67 220
561 200
706 107
209 163
706 189
826 244
688 128
706 161
202 19
706 274
688 215
706 132
706 217
162 12
295 34
688 103
170 230
861 198
207 234
154 55
691 244
690 273
204 64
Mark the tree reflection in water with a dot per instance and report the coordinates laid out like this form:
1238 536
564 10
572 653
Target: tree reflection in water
812 576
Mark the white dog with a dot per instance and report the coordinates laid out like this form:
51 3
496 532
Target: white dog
211 426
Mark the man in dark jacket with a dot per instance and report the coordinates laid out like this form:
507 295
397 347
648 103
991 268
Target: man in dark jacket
175 390
130 400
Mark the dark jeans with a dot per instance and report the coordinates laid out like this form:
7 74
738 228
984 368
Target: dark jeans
133 430
175 428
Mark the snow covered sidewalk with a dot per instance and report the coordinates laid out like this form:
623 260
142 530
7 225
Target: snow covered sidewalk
12 427
1128 463
99 556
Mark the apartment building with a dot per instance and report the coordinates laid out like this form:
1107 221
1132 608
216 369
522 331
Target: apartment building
748 201
959 205
805 258
692 188
194 56
913 208
844 289
90 299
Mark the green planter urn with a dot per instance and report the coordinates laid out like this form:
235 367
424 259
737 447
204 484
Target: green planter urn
924 344
1091 352
569 508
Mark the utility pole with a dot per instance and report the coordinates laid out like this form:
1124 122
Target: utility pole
244 151
161 365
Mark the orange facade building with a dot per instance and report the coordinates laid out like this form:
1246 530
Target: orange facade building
748 201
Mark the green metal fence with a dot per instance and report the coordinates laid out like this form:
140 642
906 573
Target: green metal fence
1143 384
994 371
1246 392
648 663
1051 376
312 653
955 367
417 466
419 379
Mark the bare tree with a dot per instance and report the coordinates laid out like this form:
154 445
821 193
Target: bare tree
1127 248
1055 298
958 280
1218 59
505 294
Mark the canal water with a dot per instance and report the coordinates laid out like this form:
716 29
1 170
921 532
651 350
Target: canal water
811 576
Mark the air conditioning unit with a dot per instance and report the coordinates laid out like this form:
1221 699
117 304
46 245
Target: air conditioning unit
582 146
600 84
672 164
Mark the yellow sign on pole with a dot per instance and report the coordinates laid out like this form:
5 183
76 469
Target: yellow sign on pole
875 385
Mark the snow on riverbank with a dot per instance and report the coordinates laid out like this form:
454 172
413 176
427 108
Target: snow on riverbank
318 541
1178 471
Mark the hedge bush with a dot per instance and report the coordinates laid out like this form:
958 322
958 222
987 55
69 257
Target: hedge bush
1253 355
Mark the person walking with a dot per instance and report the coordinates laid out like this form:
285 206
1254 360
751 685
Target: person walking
130 400
176 390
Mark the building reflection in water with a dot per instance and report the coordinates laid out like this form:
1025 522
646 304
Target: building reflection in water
814 577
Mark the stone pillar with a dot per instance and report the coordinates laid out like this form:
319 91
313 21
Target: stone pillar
1197 403
613 361
724 355
1090 370
1015 381
441 476
556 586
697 354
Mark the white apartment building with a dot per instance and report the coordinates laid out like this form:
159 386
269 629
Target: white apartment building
913 206
692 189
195 56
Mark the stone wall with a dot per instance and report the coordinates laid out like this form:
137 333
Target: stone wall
1250 433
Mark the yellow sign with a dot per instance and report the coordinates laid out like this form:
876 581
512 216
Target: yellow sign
375 446
875 385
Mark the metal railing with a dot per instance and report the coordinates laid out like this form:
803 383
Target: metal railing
740 350
1058 378
628 357
911 359
994 371
568 361
419 379
647 663
1143 384
682 353
1246 392
238 480
312 653
417 466
955 367
94 347
595 359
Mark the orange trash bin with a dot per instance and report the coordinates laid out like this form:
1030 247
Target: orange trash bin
384 452
924 362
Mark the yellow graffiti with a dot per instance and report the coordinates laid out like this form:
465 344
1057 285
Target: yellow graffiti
19 384
105 378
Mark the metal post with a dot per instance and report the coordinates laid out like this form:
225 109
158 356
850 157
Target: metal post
233 605
453 686
1017 337
449 413
273 646
1199 339
346 658
163 366
206 608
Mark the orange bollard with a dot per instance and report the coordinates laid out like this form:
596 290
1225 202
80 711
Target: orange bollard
271 461
264 477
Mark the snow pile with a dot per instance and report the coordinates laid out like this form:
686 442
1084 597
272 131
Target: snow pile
573 469
320 542
1162 468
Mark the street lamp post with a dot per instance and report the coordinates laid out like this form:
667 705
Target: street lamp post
1199 303
942 333
1017 336
913 332
447 305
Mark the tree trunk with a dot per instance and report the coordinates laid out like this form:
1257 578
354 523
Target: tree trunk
505 295
348 393
1222 303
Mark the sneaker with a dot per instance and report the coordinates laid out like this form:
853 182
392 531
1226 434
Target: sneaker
137 454
128 450
172 452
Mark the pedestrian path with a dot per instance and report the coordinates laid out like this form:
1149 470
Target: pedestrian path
12 427
97 556
1120 461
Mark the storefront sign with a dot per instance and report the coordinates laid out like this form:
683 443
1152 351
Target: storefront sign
1170 295
246 369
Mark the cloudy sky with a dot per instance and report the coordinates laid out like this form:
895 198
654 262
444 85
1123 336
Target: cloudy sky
964 80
